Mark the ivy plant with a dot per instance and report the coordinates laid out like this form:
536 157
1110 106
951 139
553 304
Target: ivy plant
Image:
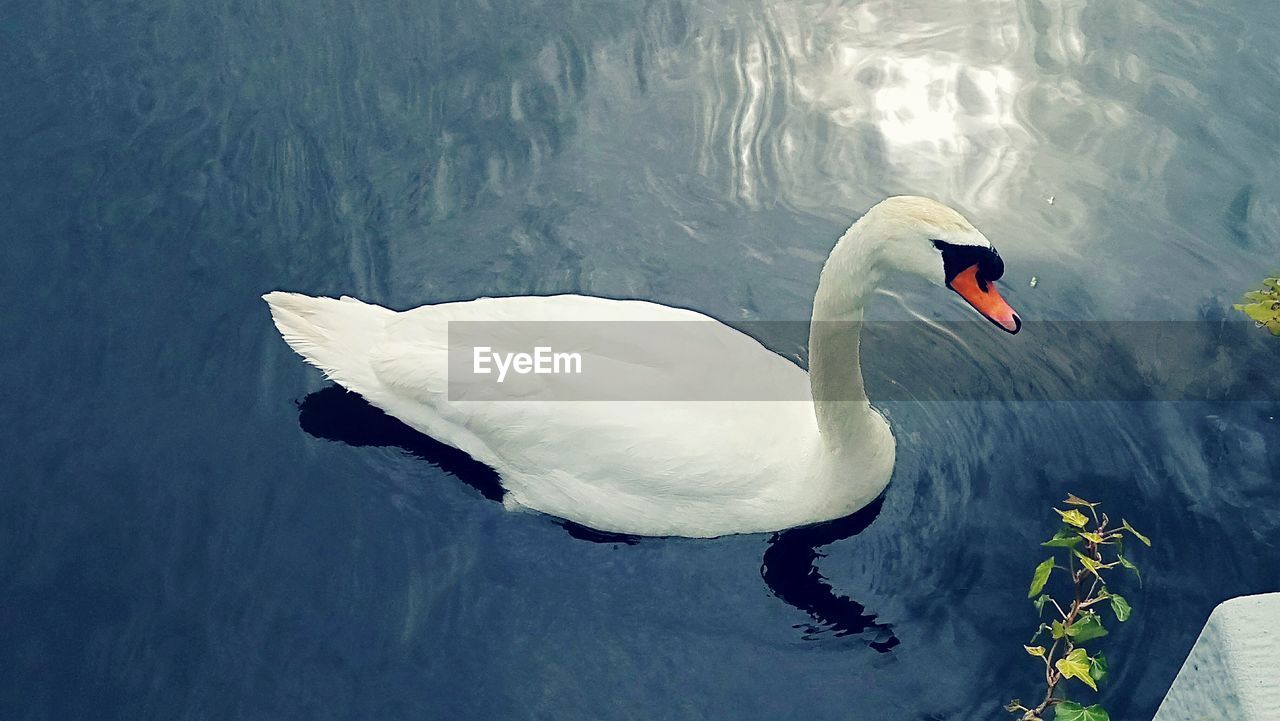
1263 305
1092 546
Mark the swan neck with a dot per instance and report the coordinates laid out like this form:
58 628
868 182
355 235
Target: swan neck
849 277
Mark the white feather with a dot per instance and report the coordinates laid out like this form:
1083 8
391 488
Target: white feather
671 467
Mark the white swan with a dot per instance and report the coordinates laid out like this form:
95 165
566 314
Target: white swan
674 467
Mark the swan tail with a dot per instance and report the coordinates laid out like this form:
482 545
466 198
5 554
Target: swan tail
334 335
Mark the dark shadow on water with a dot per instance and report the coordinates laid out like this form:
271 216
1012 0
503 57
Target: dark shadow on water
583 533
336 414
790 562
790 570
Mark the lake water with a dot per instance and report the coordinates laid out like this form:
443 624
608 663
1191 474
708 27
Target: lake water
193 526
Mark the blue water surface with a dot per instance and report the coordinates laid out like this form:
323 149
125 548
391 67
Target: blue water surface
193 525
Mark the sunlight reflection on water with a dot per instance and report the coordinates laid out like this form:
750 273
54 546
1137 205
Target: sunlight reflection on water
816 106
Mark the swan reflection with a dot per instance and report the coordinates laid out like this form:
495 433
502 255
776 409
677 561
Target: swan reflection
789 567
335 414
791 572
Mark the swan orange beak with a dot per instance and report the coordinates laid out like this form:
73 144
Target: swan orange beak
983 296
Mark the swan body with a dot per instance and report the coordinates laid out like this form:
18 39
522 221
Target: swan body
680 466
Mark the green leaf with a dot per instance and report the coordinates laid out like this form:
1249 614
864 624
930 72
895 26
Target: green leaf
1263 305
1121 608
1035 650
1073 517
1074 500
1058 629
1090 536
1076 665
1064 538
1086 628
1130 529
1040 601
1072 711
1040 577
1093 566
1129 565
1260 312
1098 667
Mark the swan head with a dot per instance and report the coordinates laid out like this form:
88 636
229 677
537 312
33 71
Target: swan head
927 238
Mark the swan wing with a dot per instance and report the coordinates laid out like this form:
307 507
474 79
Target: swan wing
614 462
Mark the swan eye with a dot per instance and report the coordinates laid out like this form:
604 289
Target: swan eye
956 258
